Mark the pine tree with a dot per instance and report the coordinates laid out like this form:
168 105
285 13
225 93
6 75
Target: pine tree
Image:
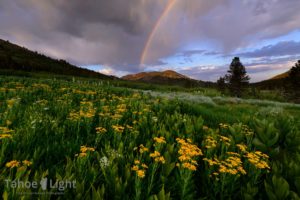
294 81
221 84
237 77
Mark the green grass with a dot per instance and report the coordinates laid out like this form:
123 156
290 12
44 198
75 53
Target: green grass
93 132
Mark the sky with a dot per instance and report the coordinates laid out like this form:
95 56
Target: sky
197 38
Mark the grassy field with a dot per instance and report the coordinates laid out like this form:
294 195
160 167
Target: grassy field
99 141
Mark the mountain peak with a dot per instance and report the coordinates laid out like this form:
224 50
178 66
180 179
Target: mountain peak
168 74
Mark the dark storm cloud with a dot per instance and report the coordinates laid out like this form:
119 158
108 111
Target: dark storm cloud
286 48
113 33
104 32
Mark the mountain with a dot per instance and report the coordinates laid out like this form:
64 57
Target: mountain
281 76
14 57
167 77
147 76
276 82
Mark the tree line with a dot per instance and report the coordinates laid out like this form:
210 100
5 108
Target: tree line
236 81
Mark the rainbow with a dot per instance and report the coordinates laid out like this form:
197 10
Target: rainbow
167 9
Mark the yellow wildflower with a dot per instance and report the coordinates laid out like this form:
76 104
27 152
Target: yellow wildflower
155 154
137 162
26 162
242 147
118 128
140 173
159 139
135 168
101 130
12 164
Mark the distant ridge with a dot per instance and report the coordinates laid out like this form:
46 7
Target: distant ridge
278 81
281 76
14 57
168 77
149 75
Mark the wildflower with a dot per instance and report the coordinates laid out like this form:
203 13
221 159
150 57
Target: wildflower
104 162
233 153
140 173
26 163
242 147
12 164
211 162
155 154
84 149
139 168
159 140
101 130
210 142
189 166
118 128
224 126
135 168
137 162
144 166
3 136
5 130
258 159
187 153
224 139
129 127
10 102
141 148
160 159
157 157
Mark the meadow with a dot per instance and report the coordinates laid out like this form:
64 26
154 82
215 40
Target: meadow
119 143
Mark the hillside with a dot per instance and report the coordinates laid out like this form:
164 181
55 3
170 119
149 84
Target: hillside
281 76
167 77
14 57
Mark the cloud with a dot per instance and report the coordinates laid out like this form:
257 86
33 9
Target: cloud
285 48
113 33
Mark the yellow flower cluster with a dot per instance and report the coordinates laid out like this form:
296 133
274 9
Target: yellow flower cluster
224 139
141 148
121 108
84 150
210 142
12 164
258 159
89 92
118 128
242 147
3 136
41 86
157 157
139 168
187 154
224 126
159 140
15 163
101 130
10 103
231 165
5 130
86 110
